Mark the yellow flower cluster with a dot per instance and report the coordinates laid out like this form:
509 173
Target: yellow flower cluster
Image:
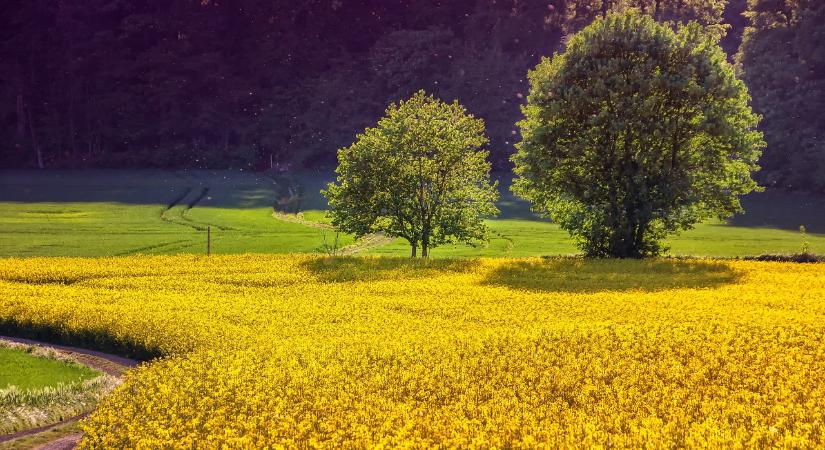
303 351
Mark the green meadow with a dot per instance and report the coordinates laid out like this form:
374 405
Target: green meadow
26 371
119 212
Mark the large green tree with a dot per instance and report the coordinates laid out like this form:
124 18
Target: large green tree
634 132
420 175
782 58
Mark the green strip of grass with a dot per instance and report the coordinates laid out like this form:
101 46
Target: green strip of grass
26 371
113 213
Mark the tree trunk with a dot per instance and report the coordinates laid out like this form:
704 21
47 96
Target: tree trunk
21 118
37 152
72 126
28 104
413 249
425 246
87 120
627 240
639 238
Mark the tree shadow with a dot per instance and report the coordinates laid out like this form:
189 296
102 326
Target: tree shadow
783 210
603 275
89 339
360 268
217 188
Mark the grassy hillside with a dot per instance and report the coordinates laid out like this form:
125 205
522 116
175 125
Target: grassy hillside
110 213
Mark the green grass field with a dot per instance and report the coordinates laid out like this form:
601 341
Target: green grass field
103 213
26 371
110 213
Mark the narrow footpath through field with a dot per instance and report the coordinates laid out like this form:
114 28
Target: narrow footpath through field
63 434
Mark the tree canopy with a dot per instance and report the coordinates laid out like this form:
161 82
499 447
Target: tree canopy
420 175
252 84
158 83
782 59
634 132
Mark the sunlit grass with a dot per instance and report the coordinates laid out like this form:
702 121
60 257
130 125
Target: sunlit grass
109 213
41 386
26 371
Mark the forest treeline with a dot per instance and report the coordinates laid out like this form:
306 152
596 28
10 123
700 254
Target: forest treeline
263 83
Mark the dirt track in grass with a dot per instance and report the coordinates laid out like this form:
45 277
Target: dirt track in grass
103 362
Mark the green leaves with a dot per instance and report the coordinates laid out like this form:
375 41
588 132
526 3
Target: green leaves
636 131
783 60
420 175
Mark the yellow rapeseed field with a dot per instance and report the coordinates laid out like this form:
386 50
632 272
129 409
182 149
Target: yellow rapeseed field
304 351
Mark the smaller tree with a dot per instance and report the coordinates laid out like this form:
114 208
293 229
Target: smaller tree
420 175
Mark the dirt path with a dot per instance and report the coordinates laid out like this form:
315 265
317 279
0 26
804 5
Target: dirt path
295 218
365 243
67 442
103 362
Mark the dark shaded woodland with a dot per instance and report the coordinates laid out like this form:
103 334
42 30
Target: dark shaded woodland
259 84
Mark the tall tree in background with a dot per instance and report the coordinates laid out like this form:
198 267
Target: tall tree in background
782 58
636 132
420 175
254 83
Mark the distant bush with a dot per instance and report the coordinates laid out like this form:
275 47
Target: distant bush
796 257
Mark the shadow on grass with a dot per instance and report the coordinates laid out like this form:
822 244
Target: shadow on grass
600 275
358 268
88 339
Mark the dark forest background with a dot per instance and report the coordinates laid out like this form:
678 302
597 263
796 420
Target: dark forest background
283 84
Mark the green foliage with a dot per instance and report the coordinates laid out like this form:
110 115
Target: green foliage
402 59
706 12
419 175
635 132
806 243
783 61
250 83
